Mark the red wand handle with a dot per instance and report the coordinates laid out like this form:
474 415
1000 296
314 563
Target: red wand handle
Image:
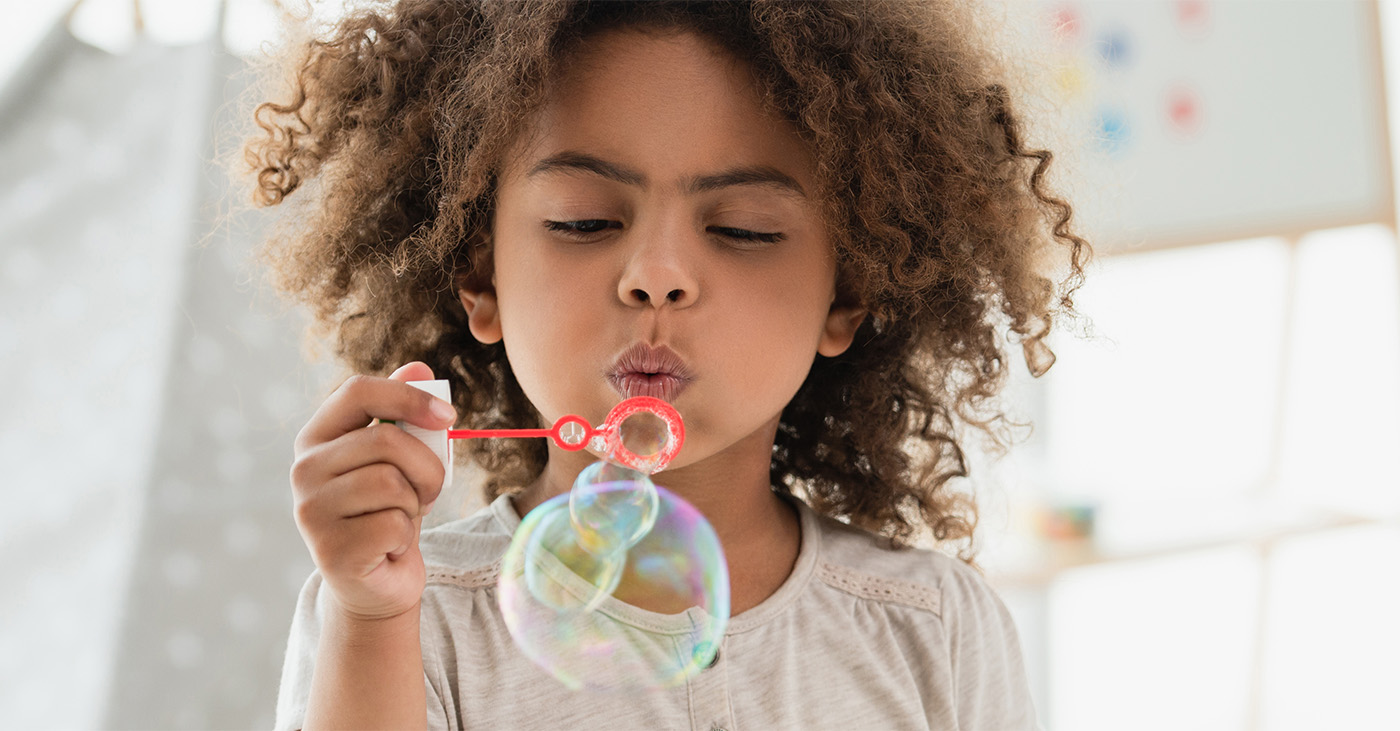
569 432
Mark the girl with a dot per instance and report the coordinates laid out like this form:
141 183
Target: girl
805 225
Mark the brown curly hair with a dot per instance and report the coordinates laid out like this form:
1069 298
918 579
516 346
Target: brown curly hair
396 125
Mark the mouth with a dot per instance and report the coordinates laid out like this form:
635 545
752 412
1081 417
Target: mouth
642 370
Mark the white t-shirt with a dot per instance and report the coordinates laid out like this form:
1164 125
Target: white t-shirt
860 636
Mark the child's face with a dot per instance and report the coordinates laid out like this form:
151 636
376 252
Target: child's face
659 260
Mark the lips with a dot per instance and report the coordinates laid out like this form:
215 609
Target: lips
643 370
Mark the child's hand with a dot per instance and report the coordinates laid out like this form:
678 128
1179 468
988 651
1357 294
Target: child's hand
362 490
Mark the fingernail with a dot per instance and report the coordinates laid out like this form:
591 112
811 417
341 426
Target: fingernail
443 410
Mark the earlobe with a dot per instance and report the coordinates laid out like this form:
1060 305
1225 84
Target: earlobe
840 330
483 317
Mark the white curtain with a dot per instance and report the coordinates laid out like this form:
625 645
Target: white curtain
152 389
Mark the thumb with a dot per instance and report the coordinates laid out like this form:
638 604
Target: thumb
410 549
415 371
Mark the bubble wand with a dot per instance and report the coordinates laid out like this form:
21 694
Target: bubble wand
573 433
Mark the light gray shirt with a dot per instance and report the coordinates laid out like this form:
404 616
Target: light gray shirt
860 636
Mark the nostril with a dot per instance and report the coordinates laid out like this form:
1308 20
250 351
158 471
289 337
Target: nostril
674 296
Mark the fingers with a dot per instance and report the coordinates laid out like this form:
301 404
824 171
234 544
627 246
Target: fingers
370 489
356 546
376 499
413 463
415 371
361 399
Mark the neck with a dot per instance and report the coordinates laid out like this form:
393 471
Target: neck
758 530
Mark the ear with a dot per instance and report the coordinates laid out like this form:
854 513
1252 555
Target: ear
840 329
483 317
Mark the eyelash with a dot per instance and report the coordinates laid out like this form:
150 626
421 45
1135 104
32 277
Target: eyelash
572 229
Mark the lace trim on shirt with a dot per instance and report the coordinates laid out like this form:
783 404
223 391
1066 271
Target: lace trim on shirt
880 589
475 579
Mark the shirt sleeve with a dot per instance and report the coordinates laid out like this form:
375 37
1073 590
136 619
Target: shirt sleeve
992 692
297 666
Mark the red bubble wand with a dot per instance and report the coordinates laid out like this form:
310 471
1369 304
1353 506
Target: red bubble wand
572 432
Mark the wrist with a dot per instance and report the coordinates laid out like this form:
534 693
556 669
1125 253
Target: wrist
368 672
360 629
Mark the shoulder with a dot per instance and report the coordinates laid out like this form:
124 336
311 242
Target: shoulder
858 562
950 626
466 553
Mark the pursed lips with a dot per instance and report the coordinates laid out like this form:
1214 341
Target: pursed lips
643 370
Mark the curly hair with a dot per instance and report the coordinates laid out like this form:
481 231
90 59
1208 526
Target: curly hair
398 120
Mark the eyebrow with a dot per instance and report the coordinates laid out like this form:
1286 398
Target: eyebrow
761 175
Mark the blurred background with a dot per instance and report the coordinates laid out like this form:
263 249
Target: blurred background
1202 530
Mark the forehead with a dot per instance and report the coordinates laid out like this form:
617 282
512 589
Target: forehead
671 104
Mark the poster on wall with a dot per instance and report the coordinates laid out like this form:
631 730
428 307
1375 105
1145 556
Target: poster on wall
1213 121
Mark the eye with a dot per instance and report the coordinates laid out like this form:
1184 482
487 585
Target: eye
745 235
581 229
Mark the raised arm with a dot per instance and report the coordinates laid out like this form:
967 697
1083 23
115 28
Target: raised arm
361 491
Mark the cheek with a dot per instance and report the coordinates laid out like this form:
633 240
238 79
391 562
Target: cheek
536 286
536 321
777 321
551 320
793 304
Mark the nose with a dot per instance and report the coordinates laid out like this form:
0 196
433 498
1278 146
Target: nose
659 274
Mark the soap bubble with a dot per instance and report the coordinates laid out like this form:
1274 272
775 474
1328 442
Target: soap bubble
611 507
554 535
644 434
618 585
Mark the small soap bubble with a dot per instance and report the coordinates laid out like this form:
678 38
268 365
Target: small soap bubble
644 434
611 507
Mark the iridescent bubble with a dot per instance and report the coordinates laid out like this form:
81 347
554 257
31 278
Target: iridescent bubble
659 623
611 507
644 434
589 576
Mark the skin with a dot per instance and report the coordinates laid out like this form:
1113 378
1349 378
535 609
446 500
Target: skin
361 490
652 260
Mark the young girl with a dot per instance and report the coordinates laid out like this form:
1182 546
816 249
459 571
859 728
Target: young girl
807 226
